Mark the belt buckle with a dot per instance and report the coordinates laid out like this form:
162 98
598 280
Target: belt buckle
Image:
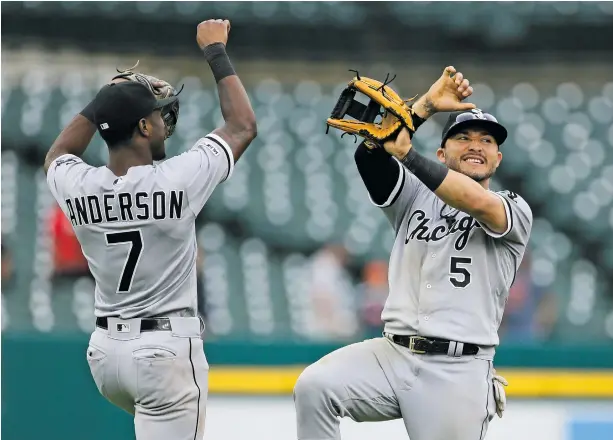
412 340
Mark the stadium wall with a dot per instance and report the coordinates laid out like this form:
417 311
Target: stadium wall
47 388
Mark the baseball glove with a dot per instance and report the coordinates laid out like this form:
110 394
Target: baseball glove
384 101
161 89
499 393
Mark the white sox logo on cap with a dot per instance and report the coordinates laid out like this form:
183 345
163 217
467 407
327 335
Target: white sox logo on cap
479 113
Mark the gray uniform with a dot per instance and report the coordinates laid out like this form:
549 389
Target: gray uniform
138 235
449 279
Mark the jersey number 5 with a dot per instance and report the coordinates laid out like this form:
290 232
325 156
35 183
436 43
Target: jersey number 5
135 240
462 278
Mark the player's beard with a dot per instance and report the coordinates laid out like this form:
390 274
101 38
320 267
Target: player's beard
455 164
158 152
158 155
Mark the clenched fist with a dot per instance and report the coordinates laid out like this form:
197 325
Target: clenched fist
212 31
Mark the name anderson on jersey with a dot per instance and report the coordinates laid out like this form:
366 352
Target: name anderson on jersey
124 207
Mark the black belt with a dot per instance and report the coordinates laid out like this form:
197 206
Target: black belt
421 345
146 324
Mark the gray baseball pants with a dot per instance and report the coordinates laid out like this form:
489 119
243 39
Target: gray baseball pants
439 397
160 377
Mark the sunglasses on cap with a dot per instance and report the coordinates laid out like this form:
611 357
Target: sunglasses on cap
475 115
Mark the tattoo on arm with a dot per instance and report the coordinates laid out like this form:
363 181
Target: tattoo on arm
423 108
429 107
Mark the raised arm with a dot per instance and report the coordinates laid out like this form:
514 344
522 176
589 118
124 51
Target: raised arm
74 139
77 135
240 125
456 189
378 170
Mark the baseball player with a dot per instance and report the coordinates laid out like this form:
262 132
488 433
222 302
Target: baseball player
135 222
457 248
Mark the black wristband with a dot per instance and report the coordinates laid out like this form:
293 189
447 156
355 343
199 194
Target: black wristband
429 172
417 121
88 112
215 54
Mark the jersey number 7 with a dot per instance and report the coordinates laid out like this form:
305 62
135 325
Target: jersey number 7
135 240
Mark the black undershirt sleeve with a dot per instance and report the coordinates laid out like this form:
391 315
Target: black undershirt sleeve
379 172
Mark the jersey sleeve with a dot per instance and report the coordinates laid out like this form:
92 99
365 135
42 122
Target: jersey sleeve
400 200
519 219
201 168
390 186
65 172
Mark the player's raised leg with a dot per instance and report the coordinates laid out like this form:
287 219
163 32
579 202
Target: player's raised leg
349 382
452 399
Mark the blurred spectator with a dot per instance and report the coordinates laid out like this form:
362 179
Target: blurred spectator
332 294
68 258
531 311
374 291
7 266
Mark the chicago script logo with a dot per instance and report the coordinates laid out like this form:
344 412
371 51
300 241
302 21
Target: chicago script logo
64 161
423 231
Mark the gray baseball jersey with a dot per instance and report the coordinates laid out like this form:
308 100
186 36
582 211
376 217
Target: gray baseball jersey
450 278
138 231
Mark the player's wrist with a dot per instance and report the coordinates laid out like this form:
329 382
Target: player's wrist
430 173
215 54
401 153
424 107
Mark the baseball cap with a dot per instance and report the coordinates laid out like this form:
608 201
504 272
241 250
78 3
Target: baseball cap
119 106
475 117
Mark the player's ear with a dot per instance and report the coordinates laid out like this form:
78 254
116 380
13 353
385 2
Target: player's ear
499 157
440 154
143 127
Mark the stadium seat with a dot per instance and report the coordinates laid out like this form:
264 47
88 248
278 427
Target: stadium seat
297 188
